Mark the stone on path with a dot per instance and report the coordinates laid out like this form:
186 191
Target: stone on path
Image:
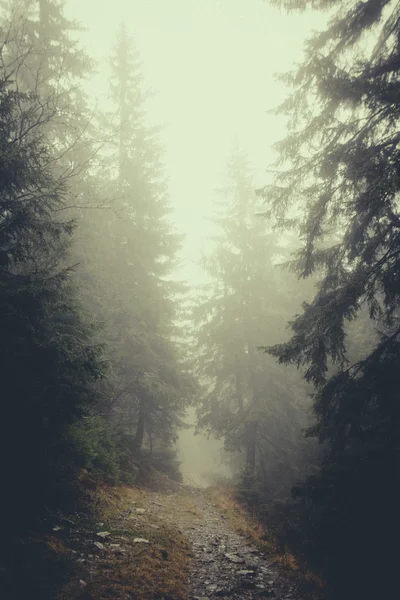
103 534
246 572
234 558
224 564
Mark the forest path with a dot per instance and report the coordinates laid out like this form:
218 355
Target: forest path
224 564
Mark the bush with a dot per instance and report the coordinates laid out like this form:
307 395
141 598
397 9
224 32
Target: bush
96 449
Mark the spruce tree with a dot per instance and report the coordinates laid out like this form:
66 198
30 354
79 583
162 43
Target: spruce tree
338 178
153 245
39 31
246 398
128 263
54 68
48 365
47 61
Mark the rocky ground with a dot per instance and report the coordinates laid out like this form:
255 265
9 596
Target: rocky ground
224 564
160 542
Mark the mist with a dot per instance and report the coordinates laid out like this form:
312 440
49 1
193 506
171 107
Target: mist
199 296
203 461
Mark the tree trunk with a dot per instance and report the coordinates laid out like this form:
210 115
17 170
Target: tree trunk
250 441
252 425
239 390
139 436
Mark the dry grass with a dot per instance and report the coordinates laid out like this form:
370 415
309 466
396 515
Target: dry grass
308 585
290 563
158 570
247 526
62 562
55 545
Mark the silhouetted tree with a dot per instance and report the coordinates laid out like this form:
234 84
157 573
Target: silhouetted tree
47 60
339 177
48 365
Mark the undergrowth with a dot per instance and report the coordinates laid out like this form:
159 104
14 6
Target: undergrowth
61 561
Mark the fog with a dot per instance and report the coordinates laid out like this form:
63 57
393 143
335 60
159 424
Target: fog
199 268
156 118
212 67
203 461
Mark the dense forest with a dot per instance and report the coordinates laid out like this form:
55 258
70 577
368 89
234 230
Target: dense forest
93 359
289 352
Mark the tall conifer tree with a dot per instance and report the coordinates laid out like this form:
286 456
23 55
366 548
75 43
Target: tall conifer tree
339 174
129 261
48 366
247 398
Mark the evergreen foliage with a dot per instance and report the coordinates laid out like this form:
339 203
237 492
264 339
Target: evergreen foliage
246 397
55 394
127 259
339 177
53 67
47 61
47 363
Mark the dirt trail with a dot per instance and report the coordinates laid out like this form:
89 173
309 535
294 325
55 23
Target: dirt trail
224 564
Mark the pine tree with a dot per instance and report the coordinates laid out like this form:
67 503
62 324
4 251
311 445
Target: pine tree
48 366
47 60
38 31
160 401
128 262
339 177
246 397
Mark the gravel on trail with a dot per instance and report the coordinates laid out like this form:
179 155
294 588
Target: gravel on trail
224 564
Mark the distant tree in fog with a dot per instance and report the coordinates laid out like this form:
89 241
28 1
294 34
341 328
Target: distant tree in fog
130 254
246 397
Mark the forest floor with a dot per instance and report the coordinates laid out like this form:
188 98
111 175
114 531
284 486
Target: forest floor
166 542
229 558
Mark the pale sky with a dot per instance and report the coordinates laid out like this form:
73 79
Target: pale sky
212 65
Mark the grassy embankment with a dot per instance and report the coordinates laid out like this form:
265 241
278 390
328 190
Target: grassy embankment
307 584
69 560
